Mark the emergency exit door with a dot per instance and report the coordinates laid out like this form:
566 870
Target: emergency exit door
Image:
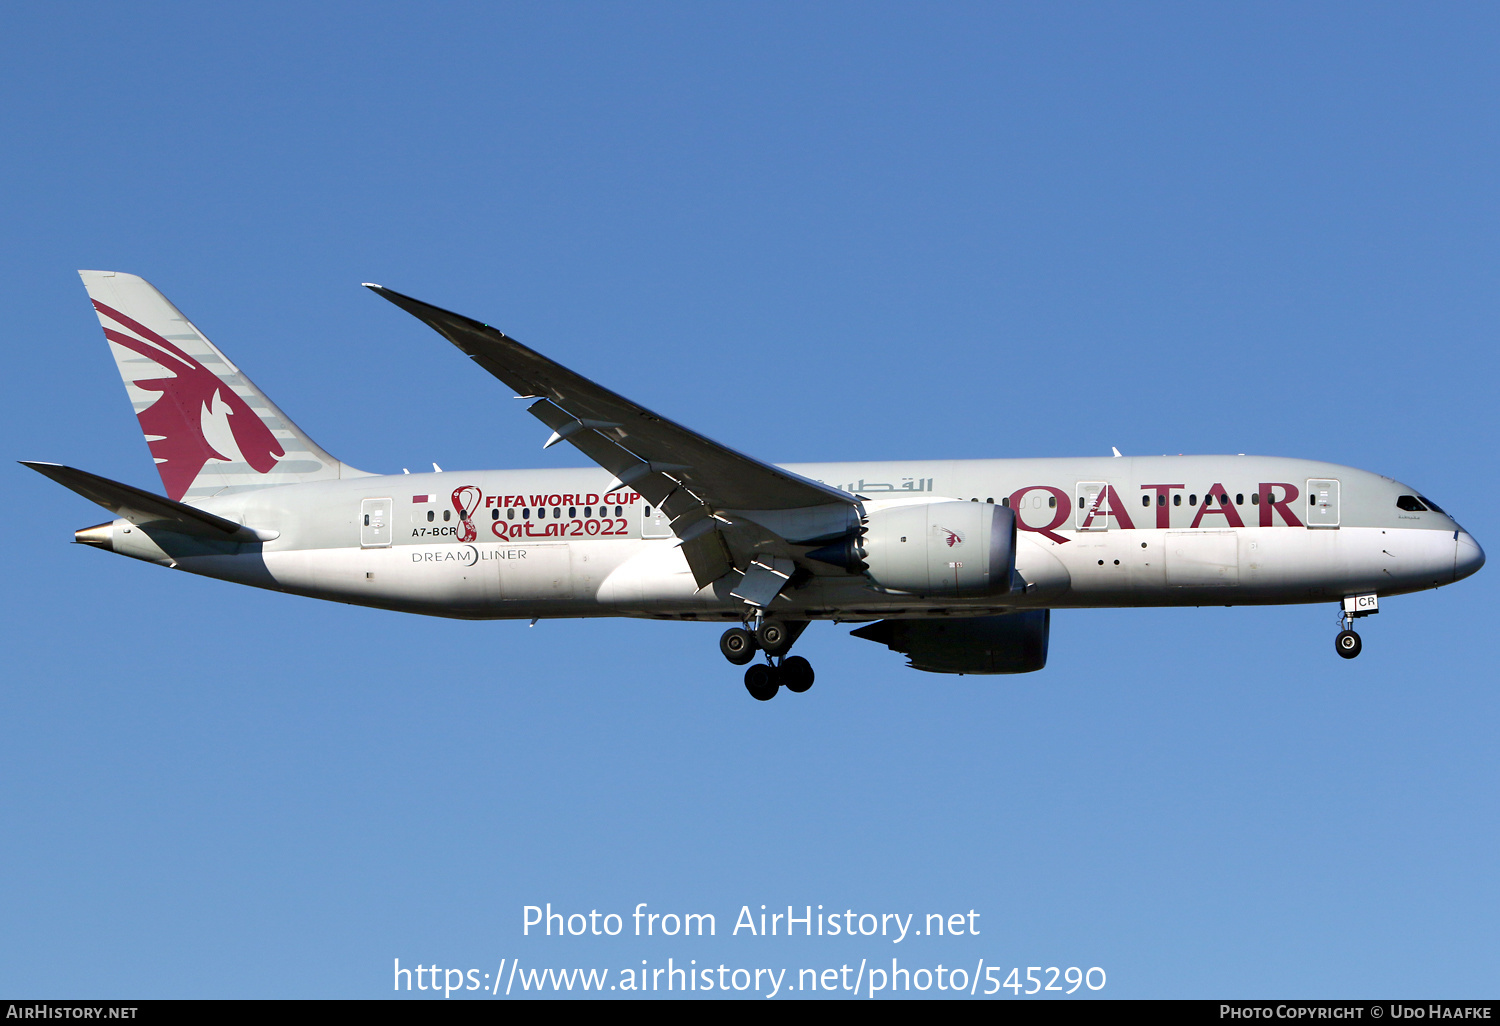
655 523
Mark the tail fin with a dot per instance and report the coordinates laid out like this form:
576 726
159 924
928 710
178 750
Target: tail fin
209 428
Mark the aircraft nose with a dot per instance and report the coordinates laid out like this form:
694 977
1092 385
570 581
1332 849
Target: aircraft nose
1467 557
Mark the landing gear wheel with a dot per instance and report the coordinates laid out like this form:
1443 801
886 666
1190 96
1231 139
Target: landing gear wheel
796 674
761 681
738 645
774 637
1348 644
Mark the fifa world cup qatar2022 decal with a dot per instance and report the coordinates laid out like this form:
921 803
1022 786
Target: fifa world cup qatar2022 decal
511 517
466 500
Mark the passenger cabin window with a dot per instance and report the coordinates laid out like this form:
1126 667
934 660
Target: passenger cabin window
1145 500
617 511
572 512
1051 502
1239 498
1005 501
1080 502
1193 499
1255 498
494 514
447 515
510 514
1223 498
1177 500
1411 504
430 516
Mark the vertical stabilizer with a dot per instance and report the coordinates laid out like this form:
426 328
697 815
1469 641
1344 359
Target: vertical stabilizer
210 429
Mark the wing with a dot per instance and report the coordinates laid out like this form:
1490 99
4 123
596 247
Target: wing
729 510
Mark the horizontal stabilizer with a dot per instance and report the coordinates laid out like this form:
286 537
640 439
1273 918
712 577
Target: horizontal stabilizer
142 507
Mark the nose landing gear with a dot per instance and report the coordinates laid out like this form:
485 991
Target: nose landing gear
774 638
1347 644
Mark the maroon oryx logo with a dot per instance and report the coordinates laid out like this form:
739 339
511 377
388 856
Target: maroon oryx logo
953 538
466 500
173 423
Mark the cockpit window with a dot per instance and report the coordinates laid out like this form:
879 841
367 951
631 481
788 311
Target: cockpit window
1411 504
1431 505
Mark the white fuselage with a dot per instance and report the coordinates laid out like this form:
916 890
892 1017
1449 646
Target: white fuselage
1091 532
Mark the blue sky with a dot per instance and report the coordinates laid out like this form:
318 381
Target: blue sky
813 232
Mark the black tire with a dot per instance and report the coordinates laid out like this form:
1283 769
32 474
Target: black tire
774 638
762 683
796 674
1348 644
738 645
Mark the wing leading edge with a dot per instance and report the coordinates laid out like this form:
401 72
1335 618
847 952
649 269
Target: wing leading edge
727 509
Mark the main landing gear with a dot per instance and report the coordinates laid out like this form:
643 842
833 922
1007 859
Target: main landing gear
774 638
1347 644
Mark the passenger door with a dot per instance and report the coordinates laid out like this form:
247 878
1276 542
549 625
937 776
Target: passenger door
1092 506
375 523
1322 502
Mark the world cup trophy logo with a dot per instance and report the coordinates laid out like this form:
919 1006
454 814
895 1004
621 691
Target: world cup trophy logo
466 500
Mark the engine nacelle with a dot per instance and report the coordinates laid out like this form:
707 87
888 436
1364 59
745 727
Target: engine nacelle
1009 643
941 549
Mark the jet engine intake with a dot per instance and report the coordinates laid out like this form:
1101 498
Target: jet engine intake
941 549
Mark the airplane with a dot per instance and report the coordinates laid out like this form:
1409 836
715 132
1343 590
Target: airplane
956 564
